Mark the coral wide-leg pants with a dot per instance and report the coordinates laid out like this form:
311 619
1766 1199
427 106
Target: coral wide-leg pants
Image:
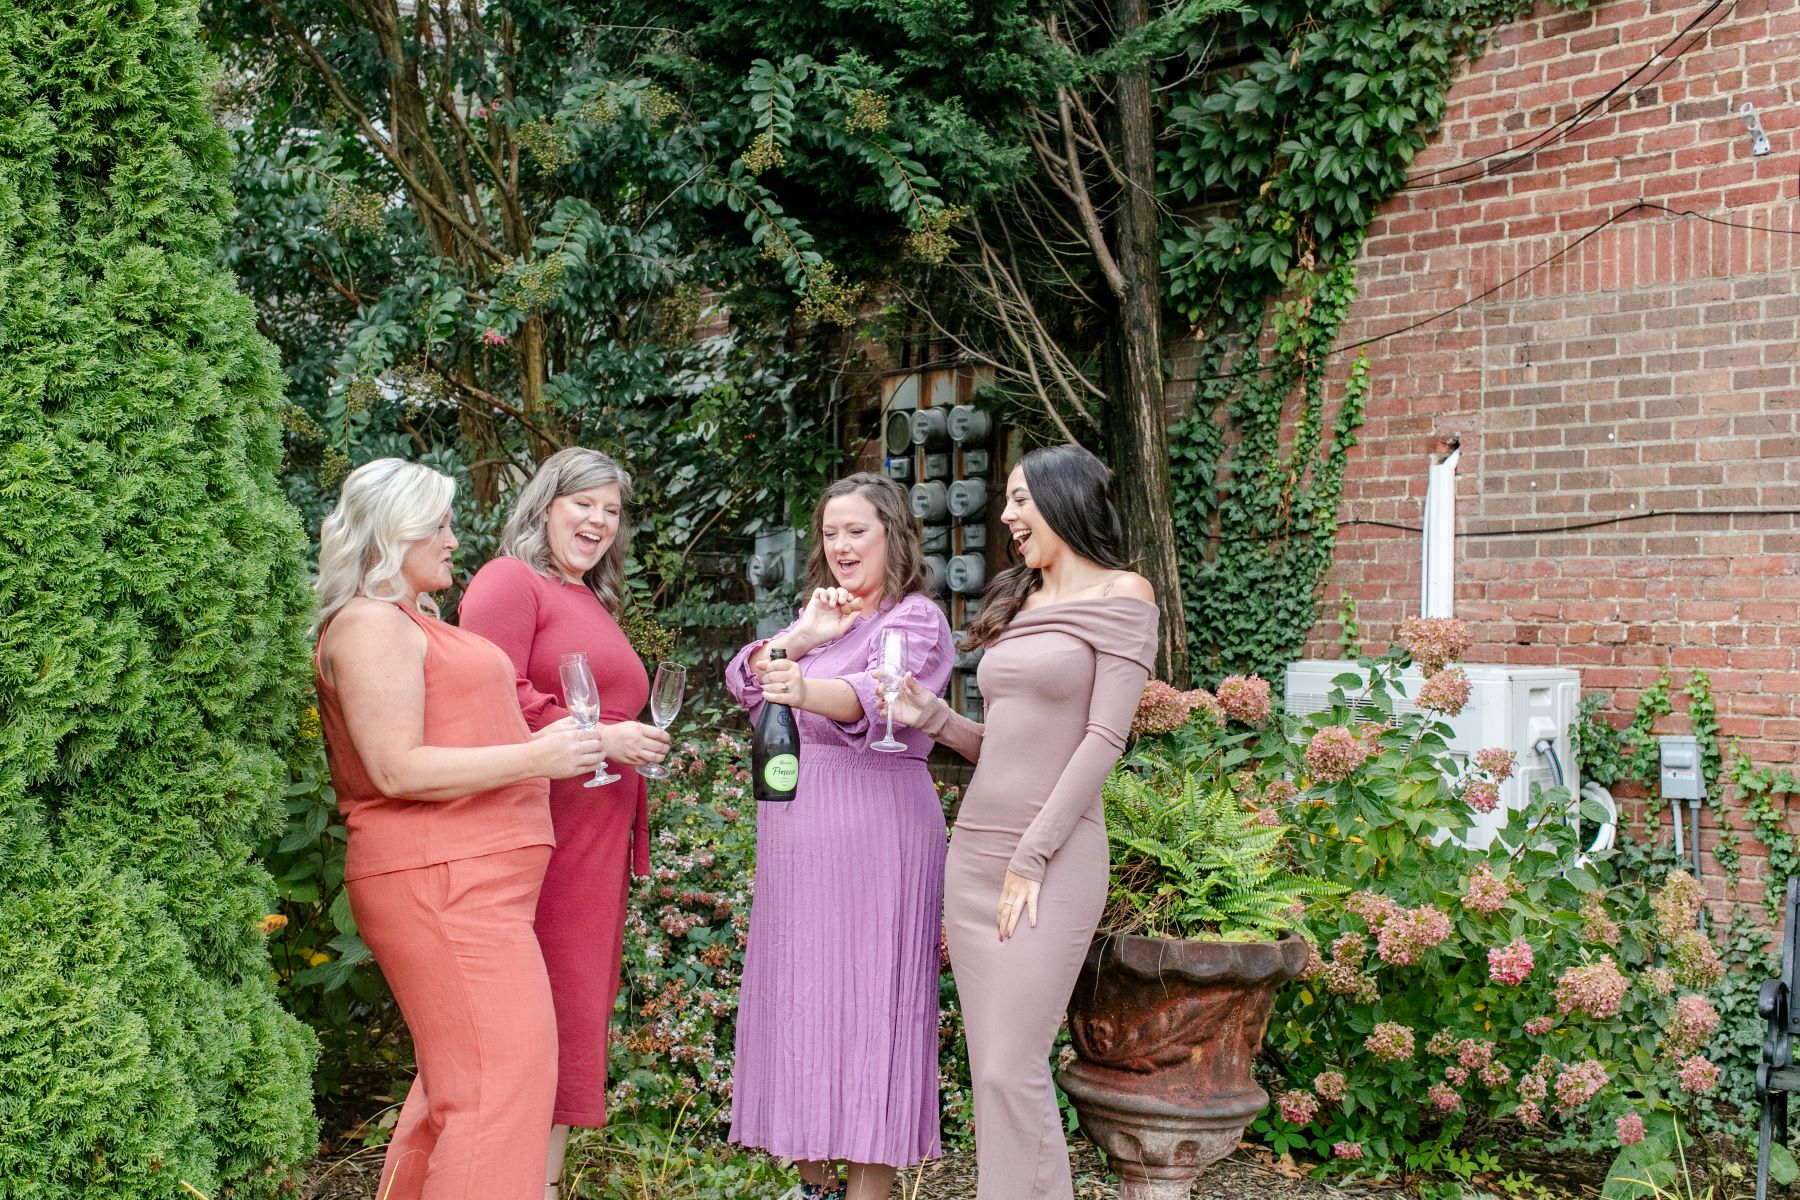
456 943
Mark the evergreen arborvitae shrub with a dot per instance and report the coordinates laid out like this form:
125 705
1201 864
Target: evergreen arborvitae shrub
153 607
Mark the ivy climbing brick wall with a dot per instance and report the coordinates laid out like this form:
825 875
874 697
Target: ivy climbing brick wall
1650 368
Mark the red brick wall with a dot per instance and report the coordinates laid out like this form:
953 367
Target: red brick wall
1651 367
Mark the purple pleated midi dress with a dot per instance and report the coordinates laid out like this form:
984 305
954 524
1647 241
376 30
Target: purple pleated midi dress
837 1024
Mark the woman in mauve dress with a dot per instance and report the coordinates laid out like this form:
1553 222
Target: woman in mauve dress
556 589
1070 637
837 1028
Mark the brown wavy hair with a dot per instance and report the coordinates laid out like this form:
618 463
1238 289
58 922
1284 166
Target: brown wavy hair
905 572
1073 491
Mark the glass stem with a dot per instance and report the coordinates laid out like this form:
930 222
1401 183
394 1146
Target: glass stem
890 716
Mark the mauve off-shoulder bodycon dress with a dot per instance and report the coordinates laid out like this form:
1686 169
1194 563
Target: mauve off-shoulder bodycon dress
1061 684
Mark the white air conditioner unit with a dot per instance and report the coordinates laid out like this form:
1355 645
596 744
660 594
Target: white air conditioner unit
1514 708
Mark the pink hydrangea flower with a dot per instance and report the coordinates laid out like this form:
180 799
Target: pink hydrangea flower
1372 907
1405 937
1630 1129
1446 692
1297 1107
1694 960
1509 965
1577 1084
1698 1076
1390 1042
1442 1042
1693 1024
1457 1075
1350 949
1496 762
1334 754
1473 1054
1199 700
1443 1098
1279 792
1434 641
1331 1086
1529 1114
1496 1074
1245 698
1597 989
1596 926
1539 1026
1161 709
492 337
1481 796
1348 1151
1487 894
1660 980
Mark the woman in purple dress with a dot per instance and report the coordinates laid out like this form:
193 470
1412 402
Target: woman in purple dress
837 1030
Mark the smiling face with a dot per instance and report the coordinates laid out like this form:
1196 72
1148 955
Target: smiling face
855 544
1032 536
426 565
580 528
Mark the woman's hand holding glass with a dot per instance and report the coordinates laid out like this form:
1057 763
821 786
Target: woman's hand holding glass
565 749
665 702
890 675
910 704
581 696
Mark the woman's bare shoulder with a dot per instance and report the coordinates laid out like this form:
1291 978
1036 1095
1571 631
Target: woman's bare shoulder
1132 586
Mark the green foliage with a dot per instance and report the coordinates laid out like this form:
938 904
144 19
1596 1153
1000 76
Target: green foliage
1290 156
1189 861
154 608
1404 1001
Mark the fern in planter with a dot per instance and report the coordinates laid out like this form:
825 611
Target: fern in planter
1191 860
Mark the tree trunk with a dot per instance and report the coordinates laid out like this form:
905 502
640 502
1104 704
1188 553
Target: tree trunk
1135 421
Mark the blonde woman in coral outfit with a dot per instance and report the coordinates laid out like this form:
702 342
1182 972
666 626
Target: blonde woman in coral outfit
442 789
1070 637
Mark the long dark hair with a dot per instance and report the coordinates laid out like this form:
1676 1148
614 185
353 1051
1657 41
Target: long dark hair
1073 491
905 540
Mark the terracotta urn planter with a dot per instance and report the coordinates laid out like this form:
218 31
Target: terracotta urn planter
1165 1032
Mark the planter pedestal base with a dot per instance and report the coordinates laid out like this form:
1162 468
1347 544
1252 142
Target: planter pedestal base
1156 1149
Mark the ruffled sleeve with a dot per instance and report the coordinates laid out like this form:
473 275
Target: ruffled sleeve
741 681
929 655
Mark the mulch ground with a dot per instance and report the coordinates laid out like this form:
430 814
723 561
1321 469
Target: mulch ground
1250 1174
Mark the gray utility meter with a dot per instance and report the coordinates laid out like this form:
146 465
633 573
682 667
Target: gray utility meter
1681 777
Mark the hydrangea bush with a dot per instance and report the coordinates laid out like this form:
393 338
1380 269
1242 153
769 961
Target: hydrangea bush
1455 985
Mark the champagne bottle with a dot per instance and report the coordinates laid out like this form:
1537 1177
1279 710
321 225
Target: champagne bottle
775 749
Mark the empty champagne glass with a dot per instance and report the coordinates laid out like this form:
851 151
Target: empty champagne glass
665 702
889 676
581 696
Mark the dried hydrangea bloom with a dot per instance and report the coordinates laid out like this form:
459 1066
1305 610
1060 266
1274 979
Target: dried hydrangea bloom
1390 1042
1509 965
1161 709
1245 698
1434 642
1597 989
1334 753
1446 692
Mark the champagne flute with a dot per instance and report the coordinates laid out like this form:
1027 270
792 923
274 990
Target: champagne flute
581 696
665 702
889 676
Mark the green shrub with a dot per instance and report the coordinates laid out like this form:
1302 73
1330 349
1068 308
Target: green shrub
1454 985
152 619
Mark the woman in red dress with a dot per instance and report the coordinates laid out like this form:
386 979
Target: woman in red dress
557 588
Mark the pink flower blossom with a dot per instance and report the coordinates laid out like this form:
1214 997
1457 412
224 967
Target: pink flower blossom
1279 792
1487 894
1334 754
1481 796
1348 1151
1539 1026
1509 965
1694 1022
1473 1054
1577 1084
1660 980
1457 1075
1597 989
1434 641
1331 1085
492 337
1406 936
1596 926
1298 1108
1496 1074
1694 960
1161 709
1630 1129
1443 1098
1529 1114
1496 762
1372 907
1199 700
1390 1042
1447 692
1442 1042
1245 698
1698 1076
1532 1086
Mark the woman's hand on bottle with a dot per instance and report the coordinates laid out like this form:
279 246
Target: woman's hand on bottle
565 749
828 614
782 682
911 704
634 743
1018 895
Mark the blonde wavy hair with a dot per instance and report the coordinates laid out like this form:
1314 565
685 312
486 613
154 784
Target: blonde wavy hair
383 508
568 471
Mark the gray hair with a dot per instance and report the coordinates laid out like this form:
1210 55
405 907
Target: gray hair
383 508
567 471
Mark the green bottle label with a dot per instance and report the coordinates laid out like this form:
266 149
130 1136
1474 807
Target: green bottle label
782 772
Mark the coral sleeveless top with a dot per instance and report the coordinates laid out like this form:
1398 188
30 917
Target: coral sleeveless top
470 700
